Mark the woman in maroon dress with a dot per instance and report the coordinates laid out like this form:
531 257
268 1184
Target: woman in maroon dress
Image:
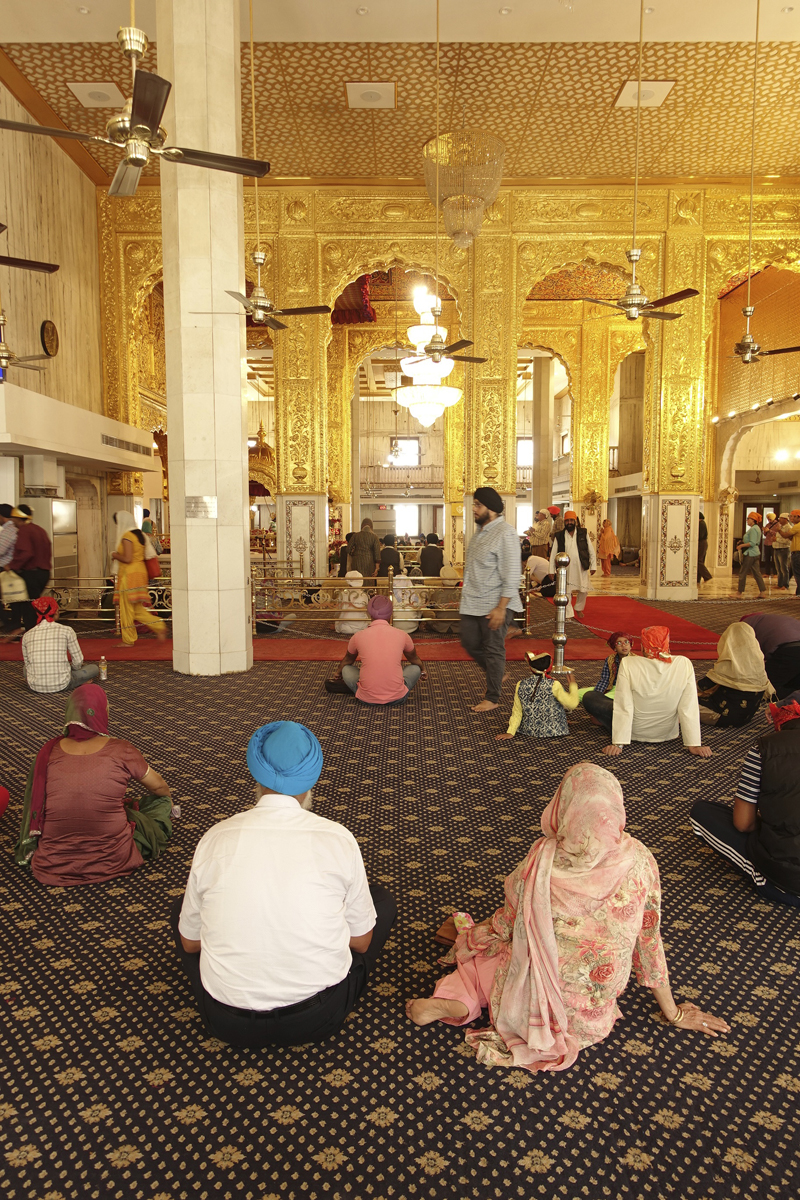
77 826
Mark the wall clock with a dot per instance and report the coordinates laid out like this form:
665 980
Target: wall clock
49 335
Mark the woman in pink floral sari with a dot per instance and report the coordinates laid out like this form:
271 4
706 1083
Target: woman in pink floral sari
580 911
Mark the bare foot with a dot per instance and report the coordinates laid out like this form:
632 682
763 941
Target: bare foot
424 1011
162 637
513 631
505 678
484 706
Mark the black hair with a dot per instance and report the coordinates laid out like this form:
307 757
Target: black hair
26 508
348 536
5 510
433 540
137 533
389 539
145 512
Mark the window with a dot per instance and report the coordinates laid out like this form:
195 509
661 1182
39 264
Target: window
407 453
406 517
564 444
524 517
613 458
524 452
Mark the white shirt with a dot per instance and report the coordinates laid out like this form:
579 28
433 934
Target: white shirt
577 578
44 651
274 896
653 699
538 568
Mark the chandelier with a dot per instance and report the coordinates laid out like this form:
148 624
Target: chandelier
427 397
463 172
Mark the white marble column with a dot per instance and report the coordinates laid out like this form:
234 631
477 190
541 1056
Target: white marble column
302 540
669 546
203 236
543 407
9 481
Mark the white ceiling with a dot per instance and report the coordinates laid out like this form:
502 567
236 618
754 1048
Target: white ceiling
415 21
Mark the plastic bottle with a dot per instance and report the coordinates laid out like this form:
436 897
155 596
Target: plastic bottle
103 668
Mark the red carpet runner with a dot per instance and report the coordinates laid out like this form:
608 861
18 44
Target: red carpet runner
606 614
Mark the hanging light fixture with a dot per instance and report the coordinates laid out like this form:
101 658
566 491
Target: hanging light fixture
470 171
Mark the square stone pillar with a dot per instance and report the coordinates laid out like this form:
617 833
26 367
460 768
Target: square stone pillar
303 533
199 50
669 547
9 481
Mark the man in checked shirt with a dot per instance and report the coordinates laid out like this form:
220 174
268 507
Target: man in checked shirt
53 658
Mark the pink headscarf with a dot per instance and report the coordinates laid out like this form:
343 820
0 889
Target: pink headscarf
576 867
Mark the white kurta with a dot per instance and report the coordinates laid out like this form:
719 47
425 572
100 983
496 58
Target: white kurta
577 578
653 699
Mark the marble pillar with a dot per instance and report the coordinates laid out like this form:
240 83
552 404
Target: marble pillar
543 405
203 238
302 521
669 546
9 481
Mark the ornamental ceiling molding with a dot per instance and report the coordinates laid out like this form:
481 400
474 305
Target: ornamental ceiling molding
728 256
342 261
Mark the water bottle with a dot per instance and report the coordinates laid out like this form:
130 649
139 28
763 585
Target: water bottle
103 668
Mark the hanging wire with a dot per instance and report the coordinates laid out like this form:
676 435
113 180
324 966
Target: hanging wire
253 114
438 151
752 159
638 124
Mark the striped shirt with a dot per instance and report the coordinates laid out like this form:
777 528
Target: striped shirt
492 569
8 540
750 779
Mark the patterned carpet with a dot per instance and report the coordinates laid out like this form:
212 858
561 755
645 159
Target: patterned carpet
111 1088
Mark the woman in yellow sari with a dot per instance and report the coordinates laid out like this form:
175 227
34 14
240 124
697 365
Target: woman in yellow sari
132 591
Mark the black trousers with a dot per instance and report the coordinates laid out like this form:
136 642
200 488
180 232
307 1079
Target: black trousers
312 1020
488 648
601 708
35 581
714 824
783 669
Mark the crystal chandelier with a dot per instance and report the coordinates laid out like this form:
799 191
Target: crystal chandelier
463 172
427 398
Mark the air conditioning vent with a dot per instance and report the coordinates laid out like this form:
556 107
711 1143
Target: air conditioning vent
119 444
791 484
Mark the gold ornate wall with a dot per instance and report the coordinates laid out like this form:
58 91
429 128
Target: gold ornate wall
318 240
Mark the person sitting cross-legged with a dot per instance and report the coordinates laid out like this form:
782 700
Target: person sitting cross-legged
581 910
760 835
383 677
621 645
279 930
655 699
50 651
541 703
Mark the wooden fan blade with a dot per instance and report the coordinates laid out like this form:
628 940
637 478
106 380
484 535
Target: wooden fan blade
312 308
784 350
3 227
215 162
240 299
674 297
466 358
150 95
125 181
28 264
659 316
462 345
24 127
273 324
606 303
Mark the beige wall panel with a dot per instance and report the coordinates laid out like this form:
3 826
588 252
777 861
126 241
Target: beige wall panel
50 208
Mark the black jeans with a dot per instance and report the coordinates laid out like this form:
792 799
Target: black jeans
601 708
488 648
312 1020
714 824
783 668
35 581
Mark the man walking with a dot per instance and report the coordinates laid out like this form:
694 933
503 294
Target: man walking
32 560
490 596
574 541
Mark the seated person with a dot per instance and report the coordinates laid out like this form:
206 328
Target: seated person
352 616
621 645
390 557
444 601
587 903
52 656
760 835
540 703
279 930
409 604
431 556
737 683
779 639
541 578
77 826
655 699
383 678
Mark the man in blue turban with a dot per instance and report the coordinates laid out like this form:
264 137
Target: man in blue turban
279 930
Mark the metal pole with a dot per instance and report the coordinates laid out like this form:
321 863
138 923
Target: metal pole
390 582
561 600
526 591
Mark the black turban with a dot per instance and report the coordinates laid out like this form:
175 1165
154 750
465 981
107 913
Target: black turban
489 498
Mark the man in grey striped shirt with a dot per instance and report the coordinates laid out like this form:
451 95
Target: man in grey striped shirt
490 596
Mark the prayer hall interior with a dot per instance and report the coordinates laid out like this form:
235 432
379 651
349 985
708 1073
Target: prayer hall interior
305 308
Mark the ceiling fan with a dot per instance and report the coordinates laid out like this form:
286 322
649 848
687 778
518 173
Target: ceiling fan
748 349
257 305
758 478
26 264
137 129
9 359
634 303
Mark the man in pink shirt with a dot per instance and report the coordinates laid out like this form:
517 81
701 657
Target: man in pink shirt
383 677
